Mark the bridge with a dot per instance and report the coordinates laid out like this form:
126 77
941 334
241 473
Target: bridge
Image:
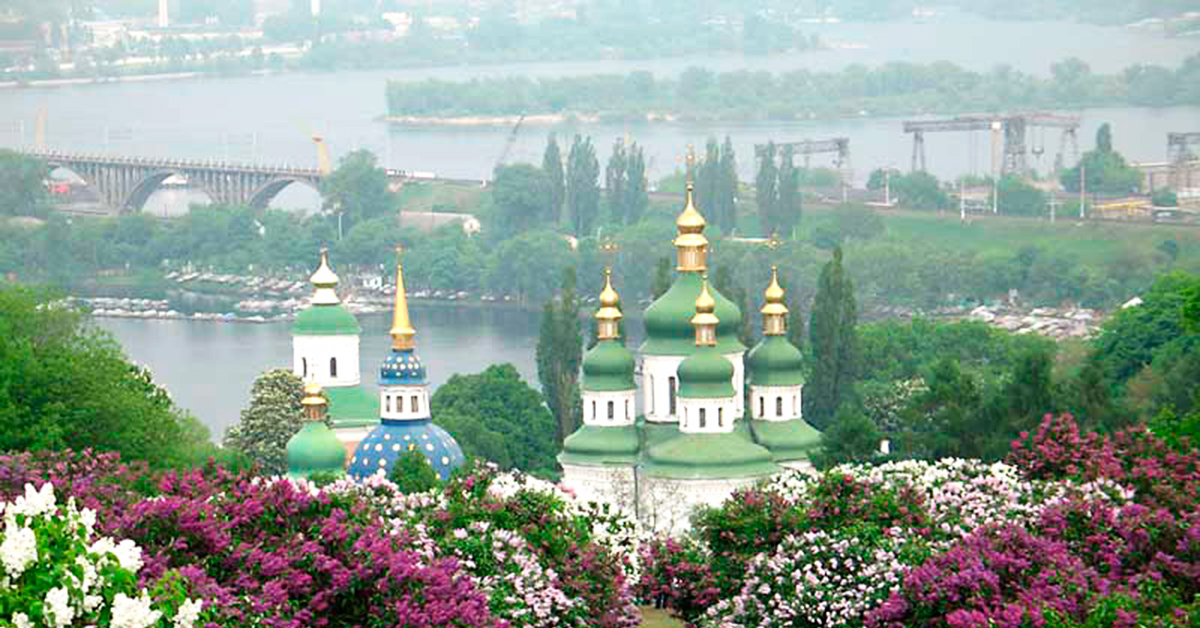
125 183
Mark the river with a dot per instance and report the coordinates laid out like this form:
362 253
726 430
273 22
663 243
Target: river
208 367
270 118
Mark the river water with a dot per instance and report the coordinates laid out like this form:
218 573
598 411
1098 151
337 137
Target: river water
208 367
271 118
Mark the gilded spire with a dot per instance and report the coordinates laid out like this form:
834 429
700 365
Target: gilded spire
324 281
691 244
314 401
402 331
705 321
773 310
608 317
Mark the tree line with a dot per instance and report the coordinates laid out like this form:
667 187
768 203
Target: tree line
892 88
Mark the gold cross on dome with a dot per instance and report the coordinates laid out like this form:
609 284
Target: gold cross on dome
774 242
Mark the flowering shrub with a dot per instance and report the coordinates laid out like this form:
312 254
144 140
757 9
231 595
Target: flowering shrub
56 572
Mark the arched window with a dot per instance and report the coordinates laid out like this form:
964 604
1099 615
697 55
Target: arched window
611 412
650 393
593 410
416 406
333 367
703 420
303 367
779 406
761 409
399 403
626 409
720 417
795 405
387 403
671 392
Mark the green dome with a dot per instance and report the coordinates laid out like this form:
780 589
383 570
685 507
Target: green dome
669 319
315 449
325 320
596 445
608 367
710 456
775 362
787 441
706 374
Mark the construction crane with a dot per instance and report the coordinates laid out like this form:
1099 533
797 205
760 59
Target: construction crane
511 141
808 148
1011 128
1178 156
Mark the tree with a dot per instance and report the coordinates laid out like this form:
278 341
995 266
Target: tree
523 196
583 192
1105 170
636 193
559 356
552 166
662 278
21 190
1027 396
272 418
66 385
851 438
616 182
919 190
766 190
727 188
708 179
833 341
412 473
947 419
1164 197
1018 198
788 210
723 281
496 416
358 189
1104 138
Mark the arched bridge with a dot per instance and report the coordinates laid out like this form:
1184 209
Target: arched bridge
124 183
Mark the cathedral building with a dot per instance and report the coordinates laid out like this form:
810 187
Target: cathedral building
695 440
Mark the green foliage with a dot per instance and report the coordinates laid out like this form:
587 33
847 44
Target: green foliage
1164 197
524 198
849 222
552 166
662 278
65 385
22 192
583 190
559 356
495 416
1018 198
526 266
272 418
833 342
1104 170
412 473
717 185
637 197
919 190
1129 341
358 188
766 190
852 437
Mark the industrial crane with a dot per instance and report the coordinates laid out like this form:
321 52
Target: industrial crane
1011 127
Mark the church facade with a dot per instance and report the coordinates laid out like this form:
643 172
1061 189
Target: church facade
698 436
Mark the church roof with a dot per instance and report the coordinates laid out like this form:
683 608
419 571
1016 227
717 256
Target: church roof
706 374
724 455
787 441
315 449
596 445
352 406
326 320
402 367
669 329
608 367
775 362
392 439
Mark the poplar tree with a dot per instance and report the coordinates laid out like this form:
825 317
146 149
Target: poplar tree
766 188
833 342
726 202
708 180
616 178
787 211
583 191
636 186
559 356
553 167
662 277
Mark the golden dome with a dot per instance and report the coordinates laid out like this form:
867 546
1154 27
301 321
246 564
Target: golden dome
312 394
324 281
690 220
608 296
774 295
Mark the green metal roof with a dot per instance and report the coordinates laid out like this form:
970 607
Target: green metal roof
669 328
775 362
709 456
706 374
325 320
352 406
608 367
787 441
315 449
594 445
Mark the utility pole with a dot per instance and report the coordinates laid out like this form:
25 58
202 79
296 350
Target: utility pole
1053 207
1082 190
996 196
887 187
962 199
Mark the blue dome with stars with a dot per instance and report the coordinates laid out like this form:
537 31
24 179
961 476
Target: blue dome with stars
402 367
392 439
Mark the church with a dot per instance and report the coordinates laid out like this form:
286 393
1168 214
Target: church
699 436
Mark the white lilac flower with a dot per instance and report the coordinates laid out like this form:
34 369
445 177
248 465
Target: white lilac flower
21 620
188 614
19 549
35 503
136 612
58 607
